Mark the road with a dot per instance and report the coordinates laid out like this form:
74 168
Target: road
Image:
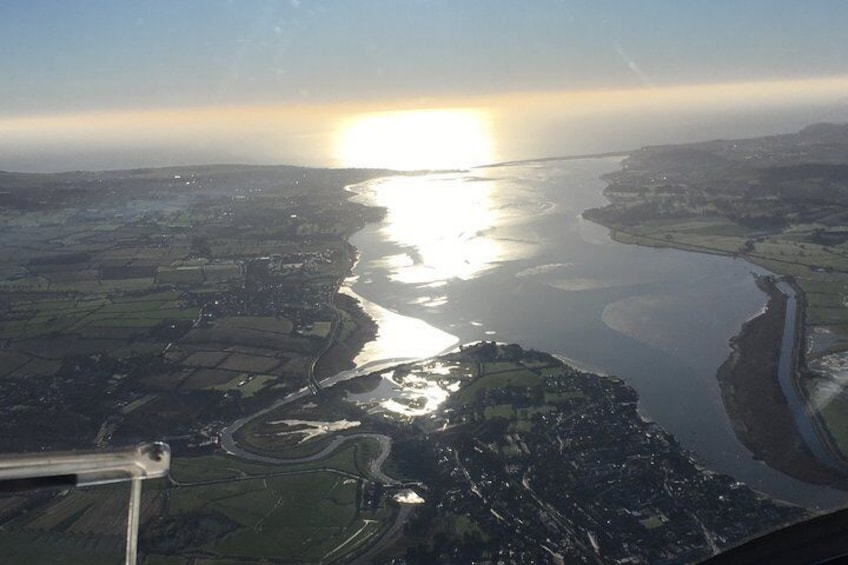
229 444
388 536
375 468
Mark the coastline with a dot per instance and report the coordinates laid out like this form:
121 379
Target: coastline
735 460
758 410
754 199
750 371
801 372
342 352
755 428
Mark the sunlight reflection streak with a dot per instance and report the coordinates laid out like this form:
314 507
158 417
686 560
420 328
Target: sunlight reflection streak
444 222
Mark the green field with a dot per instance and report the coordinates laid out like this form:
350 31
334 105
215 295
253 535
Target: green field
302 517
166 560
518 377
31 546
352 458
304 513
215 467
247 385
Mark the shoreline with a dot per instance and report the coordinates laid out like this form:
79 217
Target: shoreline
801 468
801 464
756 406
341 353
753 199
518 162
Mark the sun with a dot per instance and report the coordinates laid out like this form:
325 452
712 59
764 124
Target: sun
416 140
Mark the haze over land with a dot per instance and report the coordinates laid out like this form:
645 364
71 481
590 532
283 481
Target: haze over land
441 133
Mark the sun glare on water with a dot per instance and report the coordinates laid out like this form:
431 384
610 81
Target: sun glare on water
416 140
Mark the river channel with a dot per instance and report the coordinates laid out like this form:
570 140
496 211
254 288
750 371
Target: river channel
504 254
804 419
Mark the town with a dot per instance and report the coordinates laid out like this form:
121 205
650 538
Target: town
562 468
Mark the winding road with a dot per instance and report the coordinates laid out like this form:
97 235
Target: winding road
375 468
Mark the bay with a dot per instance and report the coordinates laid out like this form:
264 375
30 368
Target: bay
503 253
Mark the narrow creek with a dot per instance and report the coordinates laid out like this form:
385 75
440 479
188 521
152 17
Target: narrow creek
804 419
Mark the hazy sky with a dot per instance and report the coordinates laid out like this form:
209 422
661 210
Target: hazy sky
60 55
74 59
